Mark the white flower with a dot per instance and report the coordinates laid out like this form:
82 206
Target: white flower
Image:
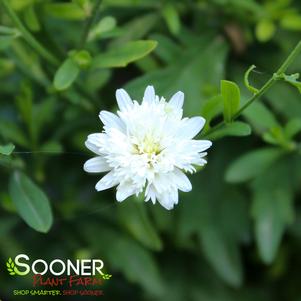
146 147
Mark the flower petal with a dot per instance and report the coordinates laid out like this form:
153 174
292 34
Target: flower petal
201 145
97 164
111 120
177 100
93 142
106 182
124 191
191 127
181 180
124 100
149 95
168 199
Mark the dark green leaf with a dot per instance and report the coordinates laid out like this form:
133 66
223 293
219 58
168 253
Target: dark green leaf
252 164
185 74
31 202
272 209
260 117
133 216
223 254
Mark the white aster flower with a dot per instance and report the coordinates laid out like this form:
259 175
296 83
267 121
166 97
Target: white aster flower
147 147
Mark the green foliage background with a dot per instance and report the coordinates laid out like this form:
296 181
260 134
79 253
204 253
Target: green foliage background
237 235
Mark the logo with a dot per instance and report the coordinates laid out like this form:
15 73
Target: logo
68 277
57 267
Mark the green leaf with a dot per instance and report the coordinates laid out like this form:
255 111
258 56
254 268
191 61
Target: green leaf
272 209
4 30
136 29
82 58
211 108
31 202
246 80
171 18
7 36
10 131
293 80
260 117
236 128
31 18
133 217
265 30
127 256
125 54
66 11
105 25
168 51
231 95
223 254
251 164
292 128
66 74
291 22
7 149
184 73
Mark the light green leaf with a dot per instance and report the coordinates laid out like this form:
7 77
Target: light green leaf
223 254
133 217
66 11
7 149
66 74
293 80
7 36
105 25
236 128
265 30
251 164
171 18
31 202
31 18
123 55
82 58
246 80
291 21
231 95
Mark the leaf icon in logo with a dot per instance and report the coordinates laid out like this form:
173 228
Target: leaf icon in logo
11 268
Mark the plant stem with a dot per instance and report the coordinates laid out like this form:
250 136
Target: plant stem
28 36
88 25
296 51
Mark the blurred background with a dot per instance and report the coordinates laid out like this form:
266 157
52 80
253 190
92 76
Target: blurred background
237 235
